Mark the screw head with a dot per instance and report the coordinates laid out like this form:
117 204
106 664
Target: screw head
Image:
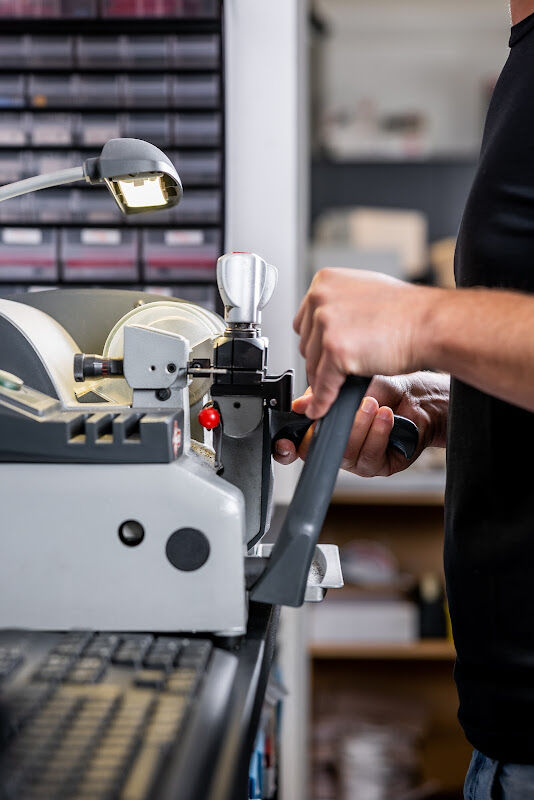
163 394
273 402
131 533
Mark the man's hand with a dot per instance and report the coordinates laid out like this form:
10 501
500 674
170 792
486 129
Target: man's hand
423 397
359 323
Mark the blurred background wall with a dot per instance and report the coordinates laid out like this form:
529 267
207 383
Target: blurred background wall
399 93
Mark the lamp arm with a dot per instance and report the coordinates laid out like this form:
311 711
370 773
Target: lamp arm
57 178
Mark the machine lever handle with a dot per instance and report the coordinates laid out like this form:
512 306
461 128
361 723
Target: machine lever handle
284 580
404 436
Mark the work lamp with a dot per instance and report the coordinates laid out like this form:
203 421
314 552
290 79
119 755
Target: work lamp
139 176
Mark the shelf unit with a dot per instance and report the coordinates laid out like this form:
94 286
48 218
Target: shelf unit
74 74
422 487
413 676
424 650
438 186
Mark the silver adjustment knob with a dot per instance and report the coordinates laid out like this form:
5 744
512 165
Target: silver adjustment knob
246 284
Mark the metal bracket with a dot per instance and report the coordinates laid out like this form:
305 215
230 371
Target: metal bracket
325 571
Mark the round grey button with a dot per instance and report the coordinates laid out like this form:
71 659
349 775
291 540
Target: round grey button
10 381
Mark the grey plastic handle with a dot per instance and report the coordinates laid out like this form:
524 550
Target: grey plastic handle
404 436
285 578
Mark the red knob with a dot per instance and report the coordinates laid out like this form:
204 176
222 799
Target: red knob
209 417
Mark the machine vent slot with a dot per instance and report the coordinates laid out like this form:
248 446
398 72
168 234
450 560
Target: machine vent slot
104 429
76 430
126 428
132 432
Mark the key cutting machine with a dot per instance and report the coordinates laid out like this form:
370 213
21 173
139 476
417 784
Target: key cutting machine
135 482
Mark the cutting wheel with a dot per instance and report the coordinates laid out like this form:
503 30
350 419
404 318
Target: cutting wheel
197 324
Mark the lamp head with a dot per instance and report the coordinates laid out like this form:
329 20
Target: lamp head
139 176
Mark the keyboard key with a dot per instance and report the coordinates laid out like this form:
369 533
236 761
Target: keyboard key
182 681
55 667
132 650
159 661
164 652
167 719
195 654
151 678
73 643
144 773
103 645
10 660
87 669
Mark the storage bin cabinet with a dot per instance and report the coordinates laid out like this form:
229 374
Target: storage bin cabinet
149 69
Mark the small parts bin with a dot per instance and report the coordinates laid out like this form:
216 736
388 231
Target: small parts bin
146 90
12 167
195 52
198 168
155 128
197 129
28 254
180 254
99 51
96 129
14 129
147 51
195 92
52 129
50 90
199 207
12 94
99 254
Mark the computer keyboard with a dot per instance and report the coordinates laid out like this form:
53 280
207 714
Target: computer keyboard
92 716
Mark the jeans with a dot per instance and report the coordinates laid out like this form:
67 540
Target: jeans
496 780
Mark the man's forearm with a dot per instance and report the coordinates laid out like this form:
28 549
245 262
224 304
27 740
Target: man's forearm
485 337
361 323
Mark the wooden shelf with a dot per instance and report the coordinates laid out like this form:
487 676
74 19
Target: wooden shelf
412 487
426 650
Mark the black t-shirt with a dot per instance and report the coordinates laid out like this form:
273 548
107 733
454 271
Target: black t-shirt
489 541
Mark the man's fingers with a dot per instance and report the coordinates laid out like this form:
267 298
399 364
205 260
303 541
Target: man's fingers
300 404
305 329
284 451
297 322
327 382
314 351
361 426
371 458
